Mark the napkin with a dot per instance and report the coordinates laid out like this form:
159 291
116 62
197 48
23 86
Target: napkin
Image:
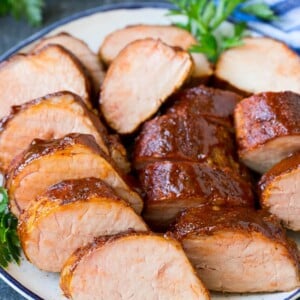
285 28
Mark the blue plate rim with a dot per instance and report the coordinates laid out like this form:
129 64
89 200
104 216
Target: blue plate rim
4 275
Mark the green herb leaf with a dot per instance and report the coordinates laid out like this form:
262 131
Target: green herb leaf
260 10
10 249
208 46
203 18
31 10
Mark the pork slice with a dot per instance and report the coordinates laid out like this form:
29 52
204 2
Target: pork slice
215 104
24 77
238 250
267 128
187 137
74 156
118 153
131 266
81 50
128 97
171 35
52 116
280 191
69 215
171 187
260 65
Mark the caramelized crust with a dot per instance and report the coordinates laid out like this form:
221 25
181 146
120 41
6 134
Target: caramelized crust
279 191
208 102
73 190
74 156
268 128
238 249
192 130
164 274
173 186
208 219
286 166
184 137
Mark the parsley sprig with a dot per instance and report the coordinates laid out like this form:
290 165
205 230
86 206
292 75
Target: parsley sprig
31 10
203 17
10 249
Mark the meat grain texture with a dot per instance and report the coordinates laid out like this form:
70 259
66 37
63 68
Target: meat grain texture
153 267
81 50
238 250
69 215
24 77
261 64
128 97
50 117
280 191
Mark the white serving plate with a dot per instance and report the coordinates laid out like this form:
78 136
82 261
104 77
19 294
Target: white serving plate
92 26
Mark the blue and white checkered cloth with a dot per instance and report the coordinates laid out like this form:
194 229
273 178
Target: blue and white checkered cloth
286 28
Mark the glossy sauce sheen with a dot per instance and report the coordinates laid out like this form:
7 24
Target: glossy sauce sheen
69 191
204 101
40 148
196 128
266 116
191 138
170 181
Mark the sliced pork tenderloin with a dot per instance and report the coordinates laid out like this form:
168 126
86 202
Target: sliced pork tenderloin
171 35
152 267
260 65
171 187
128 97
24 77
267 128
74 156
280 191
52 116
81 50
238 250
69 215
